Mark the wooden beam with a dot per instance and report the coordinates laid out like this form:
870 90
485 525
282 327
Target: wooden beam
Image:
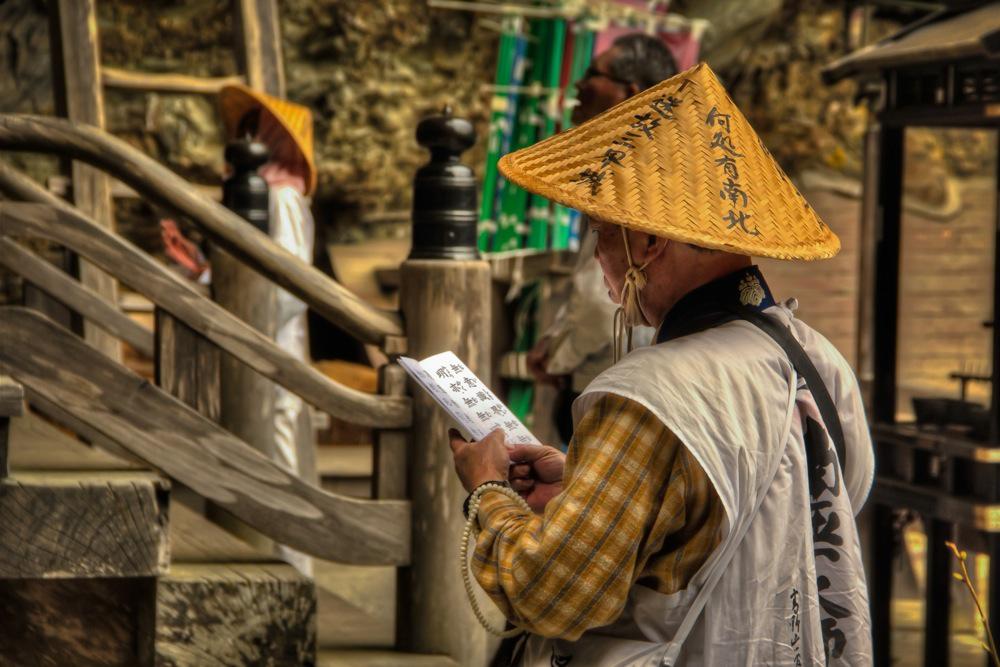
161 186
193 450
113 77
259 47
176 296
79 48
78 524
76 296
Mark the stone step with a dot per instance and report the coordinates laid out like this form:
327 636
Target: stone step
230 614
376 658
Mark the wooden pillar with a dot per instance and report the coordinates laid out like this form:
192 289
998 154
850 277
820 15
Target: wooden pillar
880 586
993 593
80 98
937 592
446 304
866 264
888 209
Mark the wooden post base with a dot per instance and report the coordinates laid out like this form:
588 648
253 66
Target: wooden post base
446 305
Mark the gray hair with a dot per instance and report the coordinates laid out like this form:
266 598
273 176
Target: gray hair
642 59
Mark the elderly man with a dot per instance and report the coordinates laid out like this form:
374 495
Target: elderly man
704 514
571 353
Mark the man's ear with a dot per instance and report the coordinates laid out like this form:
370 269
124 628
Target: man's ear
655 246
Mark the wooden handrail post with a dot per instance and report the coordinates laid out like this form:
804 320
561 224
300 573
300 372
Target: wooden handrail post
247 398
11 405
445 298
390 462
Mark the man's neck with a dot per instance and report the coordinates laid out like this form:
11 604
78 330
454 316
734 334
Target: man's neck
700 275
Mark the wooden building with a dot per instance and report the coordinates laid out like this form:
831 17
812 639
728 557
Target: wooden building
943 71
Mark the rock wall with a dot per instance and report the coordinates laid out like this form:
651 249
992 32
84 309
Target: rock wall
368 69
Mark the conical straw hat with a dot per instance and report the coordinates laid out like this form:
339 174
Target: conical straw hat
236 100
679 161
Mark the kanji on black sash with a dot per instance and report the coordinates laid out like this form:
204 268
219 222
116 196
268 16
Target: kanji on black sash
590 176
612 156
665 106
739 218
732 191
715 118
725 142
646 123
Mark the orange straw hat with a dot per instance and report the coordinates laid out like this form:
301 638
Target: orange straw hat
236 100
679 161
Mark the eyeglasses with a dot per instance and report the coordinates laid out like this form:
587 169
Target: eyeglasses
593 72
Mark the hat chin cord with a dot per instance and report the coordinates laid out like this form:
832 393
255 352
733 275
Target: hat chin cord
629 313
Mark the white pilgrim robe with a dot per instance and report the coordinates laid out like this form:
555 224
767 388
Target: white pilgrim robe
731 395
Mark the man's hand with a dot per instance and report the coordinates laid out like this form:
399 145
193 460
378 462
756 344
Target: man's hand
536 473
480 462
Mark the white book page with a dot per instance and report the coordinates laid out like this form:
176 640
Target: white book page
466 398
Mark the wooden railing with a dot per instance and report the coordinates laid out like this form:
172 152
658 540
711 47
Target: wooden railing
174 438
59 222
415 519
158 184
112 406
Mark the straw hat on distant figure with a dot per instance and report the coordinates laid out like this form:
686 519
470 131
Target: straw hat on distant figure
286 129
572 351
704 514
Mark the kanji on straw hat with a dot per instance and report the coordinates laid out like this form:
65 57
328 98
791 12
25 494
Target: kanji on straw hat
679 161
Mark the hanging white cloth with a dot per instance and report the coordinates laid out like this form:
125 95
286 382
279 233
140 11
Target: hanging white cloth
732 397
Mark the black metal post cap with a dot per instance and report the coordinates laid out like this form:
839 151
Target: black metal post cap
445 210
245 192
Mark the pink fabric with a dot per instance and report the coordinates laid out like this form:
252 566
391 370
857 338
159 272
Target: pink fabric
287 165
682 45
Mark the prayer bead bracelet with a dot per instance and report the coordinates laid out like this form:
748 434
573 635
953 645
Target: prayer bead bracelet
470 523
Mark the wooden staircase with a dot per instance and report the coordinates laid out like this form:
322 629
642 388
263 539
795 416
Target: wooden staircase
103 566
112 537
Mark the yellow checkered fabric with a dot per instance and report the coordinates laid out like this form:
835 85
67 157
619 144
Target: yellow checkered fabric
636 508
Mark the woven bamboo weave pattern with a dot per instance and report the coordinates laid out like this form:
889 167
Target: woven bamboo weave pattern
680 161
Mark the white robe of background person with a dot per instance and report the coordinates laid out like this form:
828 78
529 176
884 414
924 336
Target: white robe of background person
291 227
732 397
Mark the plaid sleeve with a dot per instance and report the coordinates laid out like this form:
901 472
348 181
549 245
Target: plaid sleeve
635 505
